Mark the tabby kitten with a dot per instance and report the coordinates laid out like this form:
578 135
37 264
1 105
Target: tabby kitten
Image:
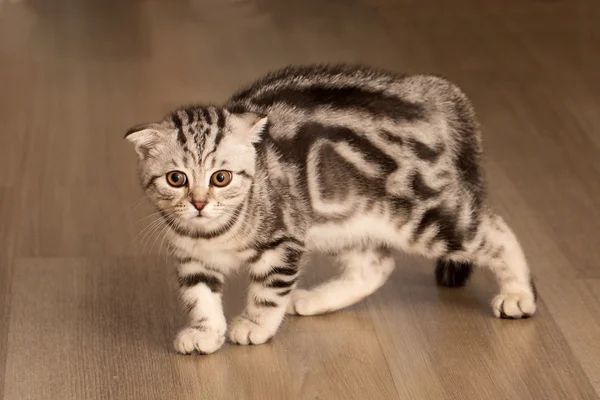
342 159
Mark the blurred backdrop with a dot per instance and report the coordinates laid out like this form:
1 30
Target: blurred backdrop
87 299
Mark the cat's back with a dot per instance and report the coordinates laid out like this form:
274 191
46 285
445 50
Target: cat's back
351 140
359 97
315 77
338 77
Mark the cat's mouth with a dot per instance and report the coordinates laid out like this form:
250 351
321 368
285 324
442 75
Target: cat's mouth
201 216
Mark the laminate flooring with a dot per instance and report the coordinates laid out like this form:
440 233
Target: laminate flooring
87 300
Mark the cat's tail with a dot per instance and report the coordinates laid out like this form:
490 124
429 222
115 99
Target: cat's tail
450 273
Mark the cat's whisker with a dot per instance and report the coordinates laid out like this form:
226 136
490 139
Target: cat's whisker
155 214
149 237
158 219
138 202
235 219
164 210
164 234
151 231
150 224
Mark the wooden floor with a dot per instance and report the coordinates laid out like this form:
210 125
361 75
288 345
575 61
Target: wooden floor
87 302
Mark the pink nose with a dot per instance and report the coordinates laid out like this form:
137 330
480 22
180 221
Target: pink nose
199 205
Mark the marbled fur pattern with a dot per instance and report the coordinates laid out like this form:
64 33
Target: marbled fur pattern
345 160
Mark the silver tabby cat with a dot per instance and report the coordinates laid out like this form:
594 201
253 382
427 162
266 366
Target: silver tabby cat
345 160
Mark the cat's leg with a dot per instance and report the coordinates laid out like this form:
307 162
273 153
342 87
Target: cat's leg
497 248
365 271
273 276
200 290
453 274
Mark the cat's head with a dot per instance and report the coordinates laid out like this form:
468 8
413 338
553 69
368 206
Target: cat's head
197 165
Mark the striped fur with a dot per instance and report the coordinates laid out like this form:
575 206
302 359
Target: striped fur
345 160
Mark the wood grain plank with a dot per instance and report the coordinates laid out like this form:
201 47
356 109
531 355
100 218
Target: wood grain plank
453 342
6 273
88 309
106 325
568 300
86 320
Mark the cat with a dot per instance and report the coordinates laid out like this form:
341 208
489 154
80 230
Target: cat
346 160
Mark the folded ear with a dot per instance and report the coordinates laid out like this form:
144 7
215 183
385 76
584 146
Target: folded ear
249 125
144 137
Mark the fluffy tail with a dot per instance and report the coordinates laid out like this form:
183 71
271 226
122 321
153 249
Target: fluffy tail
451 273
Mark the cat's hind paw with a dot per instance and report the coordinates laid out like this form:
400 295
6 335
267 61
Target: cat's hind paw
304 302
514 305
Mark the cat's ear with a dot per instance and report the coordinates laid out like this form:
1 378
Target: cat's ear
249 125
144 137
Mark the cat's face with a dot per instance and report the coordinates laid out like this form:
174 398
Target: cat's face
197 166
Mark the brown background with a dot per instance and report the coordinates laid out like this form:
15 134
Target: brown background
87 304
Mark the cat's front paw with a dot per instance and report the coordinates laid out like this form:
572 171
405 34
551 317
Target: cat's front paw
514 305
243 331
198 340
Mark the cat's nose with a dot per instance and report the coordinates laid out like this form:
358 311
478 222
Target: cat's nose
199 205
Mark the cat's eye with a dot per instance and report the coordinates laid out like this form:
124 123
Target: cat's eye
176 178
221 178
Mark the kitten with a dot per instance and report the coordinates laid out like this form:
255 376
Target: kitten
345 160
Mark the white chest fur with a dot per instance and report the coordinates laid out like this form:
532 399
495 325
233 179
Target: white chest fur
216 252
